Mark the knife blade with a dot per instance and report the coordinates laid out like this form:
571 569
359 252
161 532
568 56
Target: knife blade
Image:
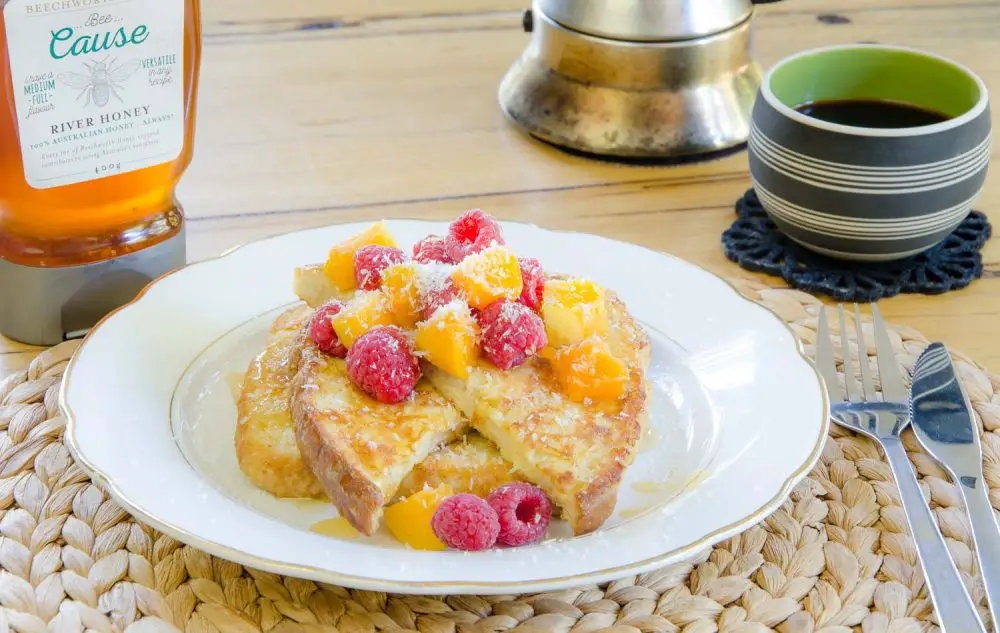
944 423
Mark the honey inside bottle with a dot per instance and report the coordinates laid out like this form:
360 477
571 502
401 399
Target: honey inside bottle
97 127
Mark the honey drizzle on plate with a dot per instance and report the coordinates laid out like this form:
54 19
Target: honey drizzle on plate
338 527
656 487
661 487
235 382
631 513
647 441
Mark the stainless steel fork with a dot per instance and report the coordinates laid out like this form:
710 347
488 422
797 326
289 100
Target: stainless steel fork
860 409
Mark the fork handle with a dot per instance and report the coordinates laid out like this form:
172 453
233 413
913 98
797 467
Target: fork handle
986 535
955 611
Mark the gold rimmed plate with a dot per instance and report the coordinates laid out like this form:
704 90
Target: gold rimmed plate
738 417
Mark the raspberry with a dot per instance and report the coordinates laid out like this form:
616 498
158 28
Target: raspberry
321 330
533 278
381 363
511 333
371 260
437 295
472 232
524 512
466 522
431 249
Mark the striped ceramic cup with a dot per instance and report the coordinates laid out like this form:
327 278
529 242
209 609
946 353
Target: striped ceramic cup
854 189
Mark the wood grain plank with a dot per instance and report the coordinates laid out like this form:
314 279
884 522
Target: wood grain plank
347 28
219 14
290 27
380 120
9 363
8 346
216 12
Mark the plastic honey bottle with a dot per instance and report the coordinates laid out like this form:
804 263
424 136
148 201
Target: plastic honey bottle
96 130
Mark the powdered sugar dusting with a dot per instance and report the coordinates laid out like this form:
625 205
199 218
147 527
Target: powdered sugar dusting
510 311
433 277
455 307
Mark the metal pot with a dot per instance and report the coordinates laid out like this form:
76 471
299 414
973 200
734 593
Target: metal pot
636 78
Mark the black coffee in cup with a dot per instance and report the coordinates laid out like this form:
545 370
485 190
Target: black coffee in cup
872 113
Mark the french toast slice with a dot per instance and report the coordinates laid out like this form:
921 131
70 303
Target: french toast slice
360 449
470 464
268 453
266 448
576 452
312 285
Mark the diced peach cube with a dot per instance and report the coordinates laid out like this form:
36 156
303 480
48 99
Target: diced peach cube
339 266
589 370
573 309
409 520
488 276
548 353
449 339
366 311
402 291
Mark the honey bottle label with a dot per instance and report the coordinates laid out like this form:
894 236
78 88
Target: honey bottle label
98 86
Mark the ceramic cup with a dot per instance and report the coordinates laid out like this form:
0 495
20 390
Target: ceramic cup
869 193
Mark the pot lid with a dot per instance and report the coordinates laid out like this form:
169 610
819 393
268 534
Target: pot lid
647 20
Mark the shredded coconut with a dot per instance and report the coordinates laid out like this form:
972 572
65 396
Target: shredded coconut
432 277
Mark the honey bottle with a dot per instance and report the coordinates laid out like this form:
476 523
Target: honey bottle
95 133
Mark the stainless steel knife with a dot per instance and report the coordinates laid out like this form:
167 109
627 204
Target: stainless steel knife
944 424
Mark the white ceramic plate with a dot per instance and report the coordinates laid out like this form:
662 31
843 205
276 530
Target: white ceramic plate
738 417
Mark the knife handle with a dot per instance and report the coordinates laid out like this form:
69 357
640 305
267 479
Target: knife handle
986 536
954 608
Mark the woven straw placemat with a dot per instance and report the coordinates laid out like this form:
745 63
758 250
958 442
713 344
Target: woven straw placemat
834 558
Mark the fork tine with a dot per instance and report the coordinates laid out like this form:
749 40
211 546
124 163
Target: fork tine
866 377
825 362
853 394
893 387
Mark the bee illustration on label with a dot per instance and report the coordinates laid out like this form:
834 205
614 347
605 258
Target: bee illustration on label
102 80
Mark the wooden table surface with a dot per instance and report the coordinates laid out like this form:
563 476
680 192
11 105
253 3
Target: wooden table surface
321 111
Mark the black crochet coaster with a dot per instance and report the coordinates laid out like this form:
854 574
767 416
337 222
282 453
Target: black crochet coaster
756 244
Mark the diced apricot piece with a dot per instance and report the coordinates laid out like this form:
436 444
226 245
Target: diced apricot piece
488 276
402 292
448 339
339 266
409 520
548 353
573 309
366 311
588 370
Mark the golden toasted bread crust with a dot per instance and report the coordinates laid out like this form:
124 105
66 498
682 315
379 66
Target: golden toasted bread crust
630 342
597 501
471 464
359 449
355 495
329 458
266 449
